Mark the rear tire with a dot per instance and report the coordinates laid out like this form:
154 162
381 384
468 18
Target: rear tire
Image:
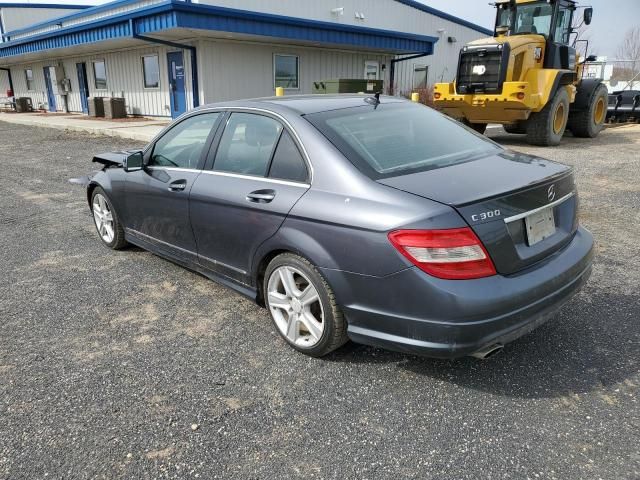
589 123
302 306
517 128
546 127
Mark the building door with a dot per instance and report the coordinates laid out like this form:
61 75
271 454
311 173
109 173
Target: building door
177 94
371 70
51 96
83 86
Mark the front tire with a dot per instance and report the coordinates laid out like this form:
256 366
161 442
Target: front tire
546 127
106 220
589 123
302 306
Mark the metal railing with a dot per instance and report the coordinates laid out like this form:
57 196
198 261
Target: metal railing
618 75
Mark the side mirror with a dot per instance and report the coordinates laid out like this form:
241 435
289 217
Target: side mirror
134 162
591 58
588 15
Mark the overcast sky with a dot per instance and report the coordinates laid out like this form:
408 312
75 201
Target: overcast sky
611 19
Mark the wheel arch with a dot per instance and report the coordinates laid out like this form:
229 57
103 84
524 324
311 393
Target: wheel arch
288 240
549 81
100 179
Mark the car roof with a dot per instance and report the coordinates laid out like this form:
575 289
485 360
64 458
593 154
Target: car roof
305 104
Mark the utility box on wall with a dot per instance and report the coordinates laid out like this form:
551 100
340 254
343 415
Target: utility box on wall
348 85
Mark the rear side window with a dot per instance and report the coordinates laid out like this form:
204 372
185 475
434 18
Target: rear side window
287 163
399 138
247 144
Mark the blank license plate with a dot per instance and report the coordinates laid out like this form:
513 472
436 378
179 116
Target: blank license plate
540 225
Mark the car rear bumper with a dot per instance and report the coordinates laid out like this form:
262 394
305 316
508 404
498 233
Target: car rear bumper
413 312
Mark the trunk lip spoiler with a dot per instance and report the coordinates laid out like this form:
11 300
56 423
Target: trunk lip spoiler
522 215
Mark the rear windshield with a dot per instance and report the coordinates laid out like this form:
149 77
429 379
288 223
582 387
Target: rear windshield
399 138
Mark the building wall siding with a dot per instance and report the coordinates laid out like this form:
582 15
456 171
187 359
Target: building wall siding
18 18
124 79
230 69
383 14
4 83
234 70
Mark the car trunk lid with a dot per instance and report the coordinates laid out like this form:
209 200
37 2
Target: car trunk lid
522 208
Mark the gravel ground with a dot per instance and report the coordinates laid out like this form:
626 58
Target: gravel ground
123 365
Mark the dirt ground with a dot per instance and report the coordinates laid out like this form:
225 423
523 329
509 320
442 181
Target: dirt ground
123 365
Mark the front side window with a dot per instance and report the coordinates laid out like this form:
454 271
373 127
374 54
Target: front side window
182 145
399 138
28 73
151 71
286 71
100 75
247 144
527 18
563 26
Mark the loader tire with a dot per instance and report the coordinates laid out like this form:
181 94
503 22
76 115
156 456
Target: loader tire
518 127
546 127
589 122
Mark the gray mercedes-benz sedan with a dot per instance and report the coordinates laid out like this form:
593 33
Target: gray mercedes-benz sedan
354 217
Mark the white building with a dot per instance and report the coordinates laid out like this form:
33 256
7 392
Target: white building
157 53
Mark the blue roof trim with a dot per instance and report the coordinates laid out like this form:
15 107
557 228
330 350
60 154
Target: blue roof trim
446 16
175 14
44 5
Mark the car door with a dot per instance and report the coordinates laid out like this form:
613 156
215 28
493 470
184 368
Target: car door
157 197
257 175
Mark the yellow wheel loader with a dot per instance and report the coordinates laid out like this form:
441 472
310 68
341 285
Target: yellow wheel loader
528 77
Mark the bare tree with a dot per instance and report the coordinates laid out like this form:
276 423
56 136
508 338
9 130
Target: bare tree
629 51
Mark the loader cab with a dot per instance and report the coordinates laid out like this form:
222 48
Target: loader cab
549 19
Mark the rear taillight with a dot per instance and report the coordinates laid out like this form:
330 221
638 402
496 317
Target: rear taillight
454 254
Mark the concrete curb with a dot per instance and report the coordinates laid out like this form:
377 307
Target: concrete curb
121 131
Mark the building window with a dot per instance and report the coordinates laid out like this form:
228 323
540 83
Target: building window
286 71
28 74
151 71
371 70
420 76
100 75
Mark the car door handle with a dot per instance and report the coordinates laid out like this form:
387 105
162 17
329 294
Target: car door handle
178 186
261 196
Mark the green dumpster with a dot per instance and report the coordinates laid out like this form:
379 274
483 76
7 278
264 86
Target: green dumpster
348 85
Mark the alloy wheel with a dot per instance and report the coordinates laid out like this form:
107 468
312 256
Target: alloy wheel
103 216
295 306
